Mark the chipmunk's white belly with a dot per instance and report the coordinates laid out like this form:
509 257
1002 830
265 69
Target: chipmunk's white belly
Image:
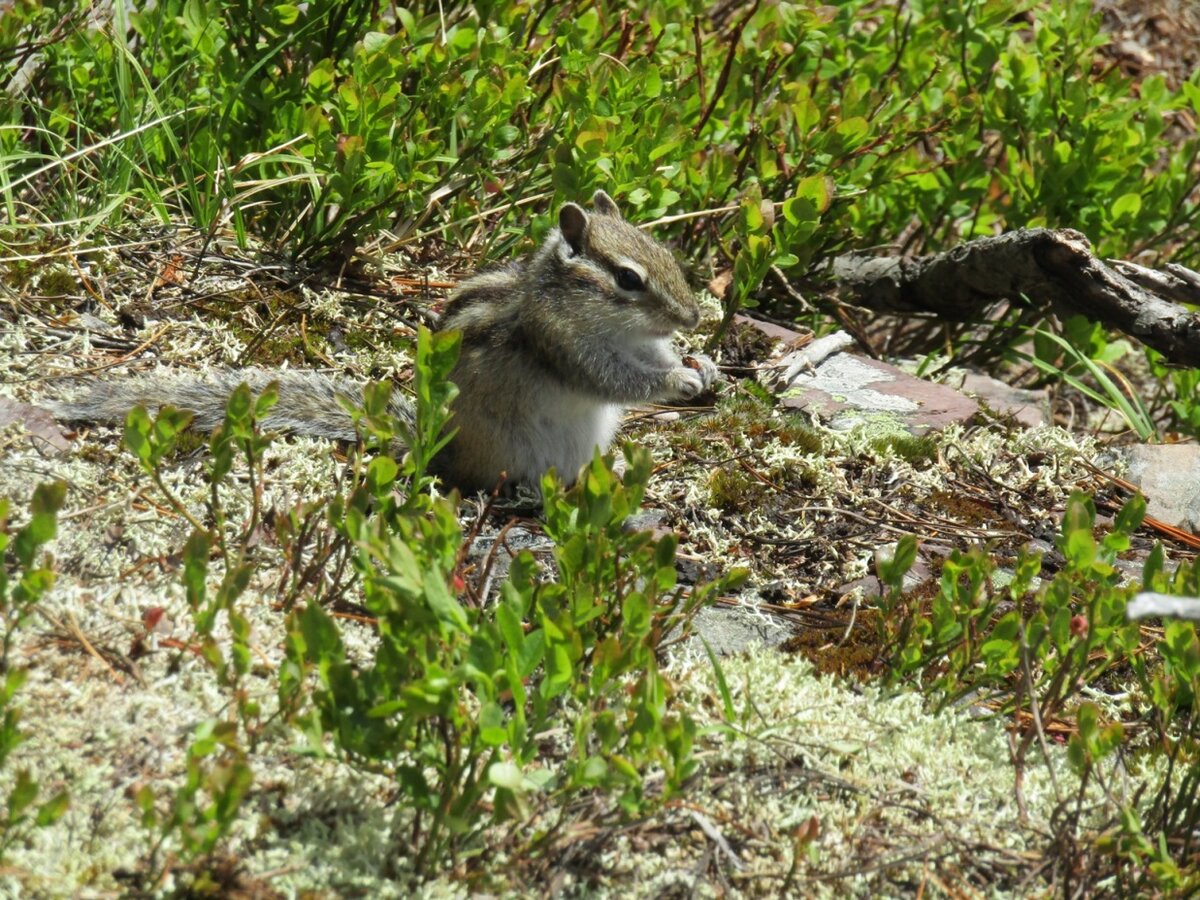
564 434
523 434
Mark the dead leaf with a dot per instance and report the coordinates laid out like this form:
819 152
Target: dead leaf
172 273
156 620
40 424
720 283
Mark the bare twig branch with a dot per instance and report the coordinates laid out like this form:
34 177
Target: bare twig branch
1038 267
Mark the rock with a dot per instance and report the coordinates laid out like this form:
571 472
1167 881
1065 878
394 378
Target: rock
515 540
645 520
1027 407
732 629
1145 605
1169 476
847 391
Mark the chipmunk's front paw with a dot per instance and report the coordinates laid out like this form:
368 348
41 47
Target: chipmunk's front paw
684 383
706 368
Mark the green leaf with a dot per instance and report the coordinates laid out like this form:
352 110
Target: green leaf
509 621
195 568
443 603
492 729
22 795
594 770
752 217
893 569
388 708
48 498
506 775
381 474
635 614
722 684
817 190
408 21
1153 567
53 809
651 83
1127 206
137 432
558 672
853 132
1077 755
145 802
1130 517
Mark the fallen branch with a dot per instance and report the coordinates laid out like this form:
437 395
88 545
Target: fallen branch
1039 267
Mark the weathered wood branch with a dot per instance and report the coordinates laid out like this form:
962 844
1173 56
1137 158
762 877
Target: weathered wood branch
1039 266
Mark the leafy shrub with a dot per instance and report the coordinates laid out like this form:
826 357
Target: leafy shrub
24 580
200 812
1062 636
455 700
344 117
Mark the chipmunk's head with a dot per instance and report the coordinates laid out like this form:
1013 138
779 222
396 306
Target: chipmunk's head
636 277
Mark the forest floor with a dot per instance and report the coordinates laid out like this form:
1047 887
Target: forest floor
826 783
824 780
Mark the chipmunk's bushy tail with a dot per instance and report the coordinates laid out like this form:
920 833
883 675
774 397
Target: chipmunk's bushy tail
308 401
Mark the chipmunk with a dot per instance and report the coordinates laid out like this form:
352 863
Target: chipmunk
555 346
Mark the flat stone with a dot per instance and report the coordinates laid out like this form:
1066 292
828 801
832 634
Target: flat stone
1169 476
733 629
1027 407
645 520
847 391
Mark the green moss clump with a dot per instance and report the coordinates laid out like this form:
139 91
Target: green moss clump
57 283
794 475
908 447
757 421
733 490
273 344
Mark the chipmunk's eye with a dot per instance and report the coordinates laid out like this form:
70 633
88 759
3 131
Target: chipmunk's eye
629 280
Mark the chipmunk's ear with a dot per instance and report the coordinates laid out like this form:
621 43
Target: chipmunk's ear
572 222
605 205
